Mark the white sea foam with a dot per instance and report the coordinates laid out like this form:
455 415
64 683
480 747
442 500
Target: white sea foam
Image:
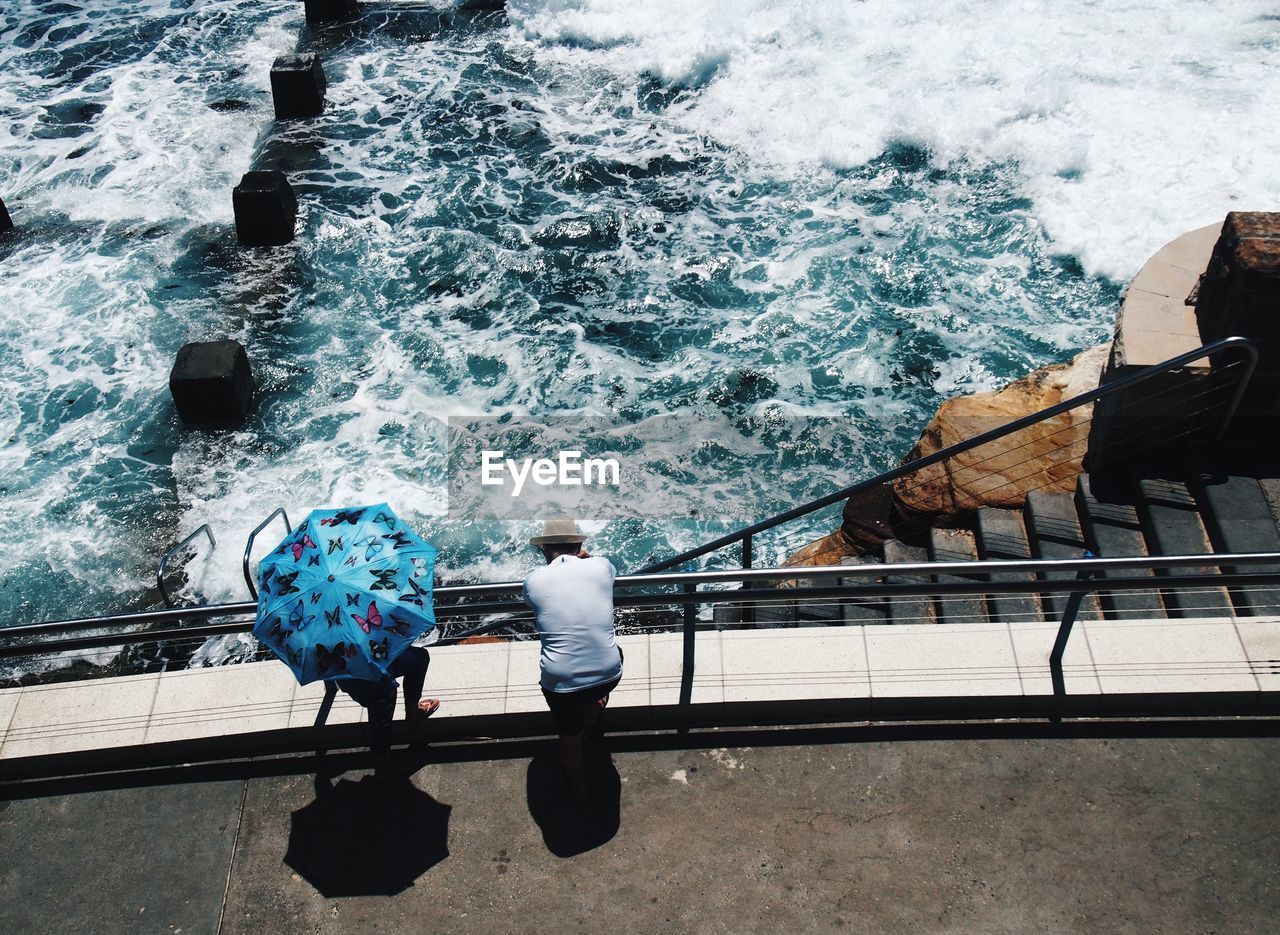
430 280
1128 123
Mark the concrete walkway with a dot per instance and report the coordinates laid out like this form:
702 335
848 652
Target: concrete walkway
981 828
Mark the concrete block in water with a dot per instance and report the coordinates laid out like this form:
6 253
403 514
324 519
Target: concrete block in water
330 11
297 86
6 222
265 209
211 383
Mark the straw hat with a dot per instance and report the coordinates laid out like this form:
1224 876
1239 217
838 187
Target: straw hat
559 531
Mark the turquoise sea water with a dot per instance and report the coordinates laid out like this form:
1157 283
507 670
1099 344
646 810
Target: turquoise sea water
826 220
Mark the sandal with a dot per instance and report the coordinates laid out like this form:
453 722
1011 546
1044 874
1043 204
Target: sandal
416 716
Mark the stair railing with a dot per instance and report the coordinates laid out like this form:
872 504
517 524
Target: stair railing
248 545
745 535
164 560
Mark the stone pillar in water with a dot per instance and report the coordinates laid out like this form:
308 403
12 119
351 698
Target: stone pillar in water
298 86
1240 291
330 11
266 209
6 222
211 383
1239 294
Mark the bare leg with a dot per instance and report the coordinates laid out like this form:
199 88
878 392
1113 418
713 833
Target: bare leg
591 717
411 667
574 773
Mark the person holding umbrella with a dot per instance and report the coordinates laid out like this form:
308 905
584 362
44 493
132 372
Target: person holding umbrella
379 699
342 599
581 664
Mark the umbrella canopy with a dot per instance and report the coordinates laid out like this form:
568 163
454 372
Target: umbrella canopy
345 593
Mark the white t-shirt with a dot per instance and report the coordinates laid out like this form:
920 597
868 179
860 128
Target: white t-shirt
572 600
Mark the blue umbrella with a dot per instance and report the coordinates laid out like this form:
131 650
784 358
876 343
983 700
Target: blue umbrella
345 593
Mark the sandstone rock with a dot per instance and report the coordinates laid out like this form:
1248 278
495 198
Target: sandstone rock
1046 456
833 549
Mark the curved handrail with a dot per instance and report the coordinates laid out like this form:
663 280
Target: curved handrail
164 560
248 545
745 534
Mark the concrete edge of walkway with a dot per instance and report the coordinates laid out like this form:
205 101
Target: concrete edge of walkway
1213 667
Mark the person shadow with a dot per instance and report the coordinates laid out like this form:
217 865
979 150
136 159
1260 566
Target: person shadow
367 838
569 828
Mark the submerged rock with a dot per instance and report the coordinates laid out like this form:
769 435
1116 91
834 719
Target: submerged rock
229 105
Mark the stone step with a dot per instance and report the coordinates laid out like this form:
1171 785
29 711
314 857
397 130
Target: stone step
822 611
781 612
861 609
1112 530
1171 524
1053 530
956 545
1238 518
1001 536
907 608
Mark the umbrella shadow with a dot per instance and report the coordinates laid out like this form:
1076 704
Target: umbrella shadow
367 838
567 827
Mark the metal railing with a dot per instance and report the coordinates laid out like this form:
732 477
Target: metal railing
745 535
164 559
686 592
248 545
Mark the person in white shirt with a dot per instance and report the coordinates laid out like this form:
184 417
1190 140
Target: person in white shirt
572 601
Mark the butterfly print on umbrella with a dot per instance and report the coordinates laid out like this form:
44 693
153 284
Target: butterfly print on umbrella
372 547
335 658
343 516
278 632
299 547
296 618
373 620
416 594
398 539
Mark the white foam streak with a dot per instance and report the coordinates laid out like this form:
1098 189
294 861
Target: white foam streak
1129 123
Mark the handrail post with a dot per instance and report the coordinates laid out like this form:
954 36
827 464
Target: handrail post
690 634
1069 612
749 611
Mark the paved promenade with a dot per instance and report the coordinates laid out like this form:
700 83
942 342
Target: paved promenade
982 828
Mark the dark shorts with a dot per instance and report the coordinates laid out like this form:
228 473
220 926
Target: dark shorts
568 709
